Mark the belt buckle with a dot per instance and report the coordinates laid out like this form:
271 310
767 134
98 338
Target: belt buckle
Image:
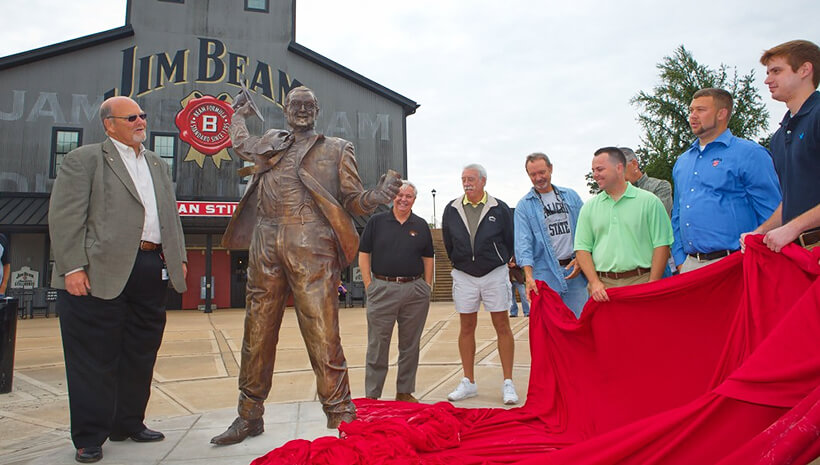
803 238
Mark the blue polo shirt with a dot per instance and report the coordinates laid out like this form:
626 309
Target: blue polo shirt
721 192
796 153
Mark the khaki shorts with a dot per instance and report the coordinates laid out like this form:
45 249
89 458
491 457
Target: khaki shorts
493 289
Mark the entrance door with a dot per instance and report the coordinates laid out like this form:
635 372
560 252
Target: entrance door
239 277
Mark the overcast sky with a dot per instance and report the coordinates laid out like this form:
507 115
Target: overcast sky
497 83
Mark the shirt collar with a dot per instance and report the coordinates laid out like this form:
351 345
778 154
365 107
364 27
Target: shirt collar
629 192
807 106
724 138
124 149
465 201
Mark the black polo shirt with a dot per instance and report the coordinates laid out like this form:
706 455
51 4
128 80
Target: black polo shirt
396 249
795 149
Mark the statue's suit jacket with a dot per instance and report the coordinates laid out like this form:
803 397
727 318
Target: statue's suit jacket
96 217
327 168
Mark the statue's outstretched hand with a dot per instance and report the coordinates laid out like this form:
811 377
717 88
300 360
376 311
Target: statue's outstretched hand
387 188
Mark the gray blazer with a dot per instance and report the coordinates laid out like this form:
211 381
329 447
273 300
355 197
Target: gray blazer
95 219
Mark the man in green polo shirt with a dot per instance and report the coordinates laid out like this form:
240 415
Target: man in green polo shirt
623 233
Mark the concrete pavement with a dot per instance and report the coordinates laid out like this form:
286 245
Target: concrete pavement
195 388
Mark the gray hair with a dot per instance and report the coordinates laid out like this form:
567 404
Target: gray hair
475 166
406 183
630 155
105 111
533 157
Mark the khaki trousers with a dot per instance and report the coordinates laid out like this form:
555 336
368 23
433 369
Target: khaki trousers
388 304
610 282
691 263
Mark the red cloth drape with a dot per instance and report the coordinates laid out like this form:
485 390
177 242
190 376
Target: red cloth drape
720 365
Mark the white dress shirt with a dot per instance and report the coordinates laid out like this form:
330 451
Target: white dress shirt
137 167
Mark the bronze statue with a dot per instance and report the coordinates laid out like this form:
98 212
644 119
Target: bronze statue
295 215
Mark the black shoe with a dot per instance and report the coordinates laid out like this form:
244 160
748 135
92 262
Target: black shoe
239 430
89 454
146 435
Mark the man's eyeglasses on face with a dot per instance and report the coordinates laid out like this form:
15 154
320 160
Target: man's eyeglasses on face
307 106
131 118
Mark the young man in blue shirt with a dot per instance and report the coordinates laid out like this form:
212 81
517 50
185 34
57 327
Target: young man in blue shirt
724 185
793 74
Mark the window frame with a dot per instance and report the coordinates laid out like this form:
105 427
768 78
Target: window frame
175 137
258 10
55 130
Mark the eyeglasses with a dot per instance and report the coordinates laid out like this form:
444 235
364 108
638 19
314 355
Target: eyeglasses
132 118
308 106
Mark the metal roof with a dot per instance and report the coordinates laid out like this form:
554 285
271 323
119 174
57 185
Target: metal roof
21 212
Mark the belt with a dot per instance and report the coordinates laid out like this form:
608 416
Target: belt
808 238
711 255
297 219
623 274
397 279
149 246
566 261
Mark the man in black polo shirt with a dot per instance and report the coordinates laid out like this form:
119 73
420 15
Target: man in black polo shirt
398 248
793 74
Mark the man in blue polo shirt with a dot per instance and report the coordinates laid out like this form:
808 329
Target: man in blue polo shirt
793 74
724 185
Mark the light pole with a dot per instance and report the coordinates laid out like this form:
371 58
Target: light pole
434 208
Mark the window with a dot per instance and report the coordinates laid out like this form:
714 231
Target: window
256 5
165 145
63 140
245 179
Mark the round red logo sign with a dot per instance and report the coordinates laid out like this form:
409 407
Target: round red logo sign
204 123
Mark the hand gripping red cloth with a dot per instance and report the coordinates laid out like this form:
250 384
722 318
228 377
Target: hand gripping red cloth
720 365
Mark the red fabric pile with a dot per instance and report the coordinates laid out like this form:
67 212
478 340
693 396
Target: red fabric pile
720 365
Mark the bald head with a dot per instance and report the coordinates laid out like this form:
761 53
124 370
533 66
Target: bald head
124 121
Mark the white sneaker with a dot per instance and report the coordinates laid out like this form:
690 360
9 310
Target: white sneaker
464 390
510 396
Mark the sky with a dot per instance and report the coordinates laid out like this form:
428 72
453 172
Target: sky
494 82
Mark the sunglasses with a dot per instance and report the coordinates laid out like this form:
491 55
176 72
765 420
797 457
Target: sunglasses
131 118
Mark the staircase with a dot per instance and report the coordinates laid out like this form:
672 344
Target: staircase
442 281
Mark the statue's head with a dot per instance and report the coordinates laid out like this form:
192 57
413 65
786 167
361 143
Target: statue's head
301 108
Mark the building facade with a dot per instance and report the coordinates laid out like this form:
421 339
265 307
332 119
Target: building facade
183 62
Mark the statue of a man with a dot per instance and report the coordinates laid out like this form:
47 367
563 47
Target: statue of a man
296 217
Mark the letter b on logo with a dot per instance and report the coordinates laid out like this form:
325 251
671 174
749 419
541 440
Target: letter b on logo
209 123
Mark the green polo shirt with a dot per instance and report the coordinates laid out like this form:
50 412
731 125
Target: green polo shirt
622 235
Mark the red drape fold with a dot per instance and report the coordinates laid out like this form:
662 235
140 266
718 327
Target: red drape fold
720 365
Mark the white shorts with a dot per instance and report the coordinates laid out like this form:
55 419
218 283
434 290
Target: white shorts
493 289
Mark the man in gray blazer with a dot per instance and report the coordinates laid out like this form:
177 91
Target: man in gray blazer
117 241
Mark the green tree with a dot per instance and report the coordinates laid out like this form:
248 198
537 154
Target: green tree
663 113
593 186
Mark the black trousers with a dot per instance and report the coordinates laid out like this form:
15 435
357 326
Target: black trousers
110 349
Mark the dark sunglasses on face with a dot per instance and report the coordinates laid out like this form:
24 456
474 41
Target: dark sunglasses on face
131 118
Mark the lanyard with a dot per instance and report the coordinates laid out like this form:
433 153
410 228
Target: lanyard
557 196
